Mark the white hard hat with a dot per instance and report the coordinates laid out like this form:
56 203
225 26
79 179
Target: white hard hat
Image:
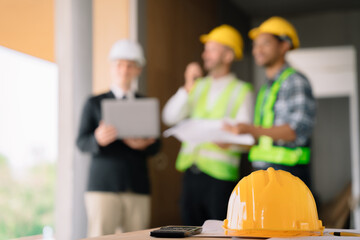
127 50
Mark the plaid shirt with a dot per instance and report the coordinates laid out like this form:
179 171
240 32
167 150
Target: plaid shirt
296 106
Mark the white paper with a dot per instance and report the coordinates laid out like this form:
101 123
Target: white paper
328 236
213 226
199 131
214 229
325 237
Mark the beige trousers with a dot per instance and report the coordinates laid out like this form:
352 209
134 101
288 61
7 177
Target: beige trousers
109 213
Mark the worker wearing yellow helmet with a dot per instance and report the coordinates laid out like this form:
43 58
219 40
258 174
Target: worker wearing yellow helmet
211 169
285 107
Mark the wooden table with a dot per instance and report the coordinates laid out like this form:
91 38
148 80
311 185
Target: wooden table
144 234
138 235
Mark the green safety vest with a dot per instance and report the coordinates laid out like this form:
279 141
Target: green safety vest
218 163
265 151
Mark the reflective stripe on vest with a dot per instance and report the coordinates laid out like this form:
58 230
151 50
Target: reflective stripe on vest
264 117
219 163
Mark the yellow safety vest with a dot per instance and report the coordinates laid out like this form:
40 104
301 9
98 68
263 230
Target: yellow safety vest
217 162
264 117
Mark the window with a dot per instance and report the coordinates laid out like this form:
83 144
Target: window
28 143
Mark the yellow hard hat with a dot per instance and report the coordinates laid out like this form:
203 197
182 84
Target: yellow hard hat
279 27
272 203
228 36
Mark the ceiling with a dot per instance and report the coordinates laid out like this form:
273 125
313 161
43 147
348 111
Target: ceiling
265 8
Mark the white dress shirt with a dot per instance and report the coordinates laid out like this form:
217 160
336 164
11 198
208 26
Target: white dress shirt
120 94
177 107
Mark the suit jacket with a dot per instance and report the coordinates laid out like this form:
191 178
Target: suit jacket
116 167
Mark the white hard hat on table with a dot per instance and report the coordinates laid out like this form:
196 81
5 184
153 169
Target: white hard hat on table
127 50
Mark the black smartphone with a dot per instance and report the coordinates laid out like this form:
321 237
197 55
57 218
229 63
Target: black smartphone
176 231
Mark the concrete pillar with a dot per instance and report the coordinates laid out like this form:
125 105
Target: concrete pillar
73 30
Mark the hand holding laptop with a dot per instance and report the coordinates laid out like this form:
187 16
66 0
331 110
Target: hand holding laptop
105 134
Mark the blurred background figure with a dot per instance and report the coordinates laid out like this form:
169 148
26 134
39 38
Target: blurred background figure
211 169
117 196
285 106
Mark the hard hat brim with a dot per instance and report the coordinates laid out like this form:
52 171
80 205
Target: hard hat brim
279 27
261 233
254 33
204 38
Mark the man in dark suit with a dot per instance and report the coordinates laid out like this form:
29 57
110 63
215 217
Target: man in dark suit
117 196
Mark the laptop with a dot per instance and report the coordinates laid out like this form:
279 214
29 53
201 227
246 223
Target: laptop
136 118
